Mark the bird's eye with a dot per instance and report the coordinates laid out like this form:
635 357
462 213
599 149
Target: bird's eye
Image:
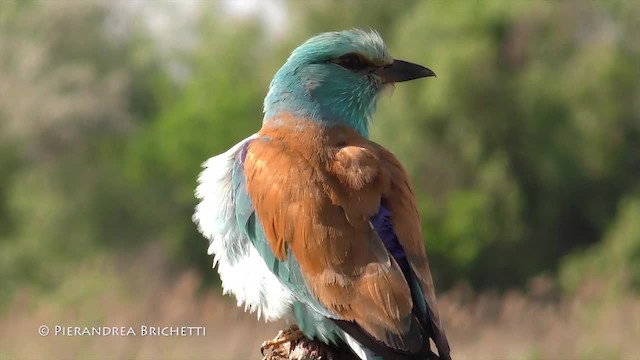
352 61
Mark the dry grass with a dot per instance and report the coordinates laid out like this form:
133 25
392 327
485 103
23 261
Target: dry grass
486 326
514 326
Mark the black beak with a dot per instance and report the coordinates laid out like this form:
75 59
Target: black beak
400 71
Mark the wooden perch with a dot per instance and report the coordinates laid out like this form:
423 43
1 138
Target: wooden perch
305 349
301 348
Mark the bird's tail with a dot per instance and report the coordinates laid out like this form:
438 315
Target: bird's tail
362 352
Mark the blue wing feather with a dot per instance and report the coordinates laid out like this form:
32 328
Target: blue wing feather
381 222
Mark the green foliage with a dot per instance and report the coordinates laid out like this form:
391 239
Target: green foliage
320 17
615 261
65 114
520 151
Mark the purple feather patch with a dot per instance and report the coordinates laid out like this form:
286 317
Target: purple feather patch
382 224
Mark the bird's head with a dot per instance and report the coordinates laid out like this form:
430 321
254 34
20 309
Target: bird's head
336 78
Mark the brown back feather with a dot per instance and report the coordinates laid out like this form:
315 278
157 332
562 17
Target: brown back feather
314 189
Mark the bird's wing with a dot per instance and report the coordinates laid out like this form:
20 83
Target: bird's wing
401 202
313 197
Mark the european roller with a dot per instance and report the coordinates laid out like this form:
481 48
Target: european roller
310 220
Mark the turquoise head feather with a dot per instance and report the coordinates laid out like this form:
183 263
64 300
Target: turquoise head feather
336 78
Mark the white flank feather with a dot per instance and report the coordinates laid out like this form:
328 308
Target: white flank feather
242 270
357 348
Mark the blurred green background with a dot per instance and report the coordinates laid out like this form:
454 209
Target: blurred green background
524 151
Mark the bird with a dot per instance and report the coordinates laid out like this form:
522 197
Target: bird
310 220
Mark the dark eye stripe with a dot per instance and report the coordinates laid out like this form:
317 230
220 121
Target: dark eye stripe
353 62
